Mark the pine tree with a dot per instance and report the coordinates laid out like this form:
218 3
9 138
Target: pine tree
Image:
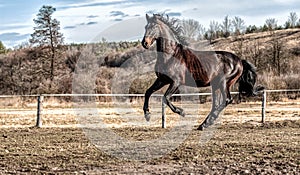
46 33
2 48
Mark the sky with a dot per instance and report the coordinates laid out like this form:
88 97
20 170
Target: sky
84 21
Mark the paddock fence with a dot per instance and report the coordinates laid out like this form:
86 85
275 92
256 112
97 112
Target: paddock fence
294 93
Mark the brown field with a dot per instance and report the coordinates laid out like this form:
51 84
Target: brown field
240 144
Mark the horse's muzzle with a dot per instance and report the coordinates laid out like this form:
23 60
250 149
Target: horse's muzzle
146 42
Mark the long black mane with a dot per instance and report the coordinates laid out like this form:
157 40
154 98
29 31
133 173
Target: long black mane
175 27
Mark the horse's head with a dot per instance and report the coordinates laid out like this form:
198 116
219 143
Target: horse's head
152 31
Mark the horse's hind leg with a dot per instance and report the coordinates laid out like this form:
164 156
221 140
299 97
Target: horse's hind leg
229 98
229 83
155 86
218 104
168 94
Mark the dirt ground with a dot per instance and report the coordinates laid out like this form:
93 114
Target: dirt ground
240 145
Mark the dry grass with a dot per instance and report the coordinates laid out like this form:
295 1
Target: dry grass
240 145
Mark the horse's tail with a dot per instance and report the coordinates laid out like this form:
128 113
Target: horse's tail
248 79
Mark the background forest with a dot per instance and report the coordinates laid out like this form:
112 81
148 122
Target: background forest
46 65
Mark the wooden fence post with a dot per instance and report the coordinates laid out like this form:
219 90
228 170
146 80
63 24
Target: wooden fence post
39 111
263 106
163 106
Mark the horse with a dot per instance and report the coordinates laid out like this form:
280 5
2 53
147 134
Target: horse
178 65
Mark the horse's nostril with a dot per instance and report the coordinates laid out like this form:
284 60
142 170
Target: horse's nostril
145 44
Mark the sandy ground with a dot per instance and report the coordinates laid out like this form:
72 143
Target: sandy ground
239 144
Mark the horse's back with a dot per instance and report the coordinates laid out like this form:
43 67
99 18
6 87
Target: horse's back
204 66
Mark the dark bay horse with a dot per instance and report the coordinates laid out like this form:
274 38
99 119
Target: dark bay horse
178 65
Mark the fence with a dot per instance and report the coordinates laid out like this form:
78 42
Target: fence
40 99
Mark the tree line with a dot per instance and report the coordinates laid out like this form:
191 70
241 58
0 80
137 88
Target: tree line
235 26
45 64
47 29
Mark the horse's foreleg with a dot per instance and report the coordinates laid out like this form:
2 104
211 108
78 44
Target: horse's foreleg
168 94
155 86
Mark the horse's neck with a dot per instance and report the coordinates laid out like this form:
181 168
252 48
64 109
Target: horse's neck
166 46
167 40
166 50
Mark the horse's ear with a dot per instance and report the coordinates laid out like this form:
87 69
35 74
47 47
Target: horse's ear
147 17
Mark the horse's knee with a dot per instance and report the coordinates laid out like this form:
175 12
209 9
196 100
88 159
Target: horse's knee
148 93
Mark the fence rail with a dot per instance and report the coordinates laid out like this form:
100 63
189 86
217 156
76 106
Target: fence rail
131 95
40 98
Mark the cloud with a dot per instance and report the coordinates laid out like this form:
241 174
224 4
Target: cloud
285 1
13 36
174 14
117 14
69 27
118 19
14 26
91 23
81 24
92 16
90 4
12 39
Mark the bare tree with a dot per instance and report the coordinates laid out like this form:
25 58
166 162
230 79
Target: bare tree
202 31
239 25
213 31
226 27
254 53
191 28
292 20
271 24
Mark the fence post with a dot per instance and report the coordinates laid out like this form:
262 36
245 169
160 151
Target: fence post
39 111
163 106
263 106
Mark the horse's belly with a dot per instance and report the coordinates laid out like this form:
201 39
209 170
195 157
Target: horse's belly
189 81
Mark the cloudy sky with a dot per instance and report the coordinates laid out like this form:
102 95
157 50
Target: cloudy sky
89 20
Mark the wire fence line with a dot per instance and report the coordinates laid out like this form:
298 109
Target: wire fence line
40 98
132 95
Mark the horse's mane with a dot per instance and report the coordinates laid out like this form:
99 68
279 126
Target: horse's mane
174 25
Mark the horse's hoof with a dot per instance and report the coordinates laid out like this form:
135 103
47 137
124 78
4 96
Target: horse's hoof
182 113
201 128
147 116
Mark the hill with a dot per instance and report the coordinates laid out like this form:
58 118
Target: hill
26 71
